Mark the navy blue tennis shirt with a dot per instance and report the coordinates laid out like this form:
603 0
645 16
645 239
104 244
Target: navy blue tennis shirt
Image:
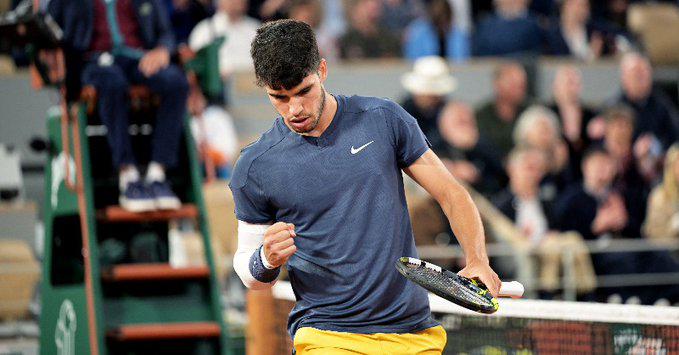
344 193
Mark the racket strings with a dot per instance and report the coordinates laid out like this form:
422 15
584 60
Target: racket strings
447 284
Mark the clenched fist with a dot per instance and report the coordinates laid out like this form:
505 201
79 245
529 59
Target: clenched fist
279 243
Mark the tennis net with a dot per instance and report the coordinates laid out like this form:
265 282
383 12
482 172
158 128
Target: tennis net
538 327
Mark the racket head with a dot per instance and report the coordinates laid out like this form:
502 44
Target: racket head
446 284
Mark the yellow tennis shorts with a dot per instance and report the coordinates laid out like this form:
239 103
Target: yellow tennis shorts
312 341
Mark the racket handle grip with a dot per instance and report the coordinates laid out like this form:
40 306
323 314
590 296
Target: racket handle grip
513 289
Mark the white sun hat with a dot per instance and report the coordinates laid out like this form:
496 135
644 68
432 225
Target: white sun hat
430 76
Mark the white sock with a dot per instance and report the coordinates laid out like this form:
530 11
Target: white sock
127 175
155 172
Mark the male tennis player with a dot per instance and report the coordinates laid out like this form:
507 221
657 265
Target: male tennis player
322 193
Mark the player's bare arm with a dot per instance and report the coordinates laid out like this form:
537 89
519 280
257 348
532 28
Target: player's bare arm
430 173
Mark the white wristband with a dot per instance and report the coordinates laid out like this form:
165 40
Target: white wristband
264 261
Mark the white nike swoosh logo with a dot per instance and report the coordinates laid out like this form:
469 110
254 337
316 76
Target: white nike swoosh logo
356 150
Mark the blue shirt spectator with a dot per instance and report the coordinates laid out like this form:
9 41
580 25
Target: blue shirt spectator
421 40
436 34
511 30
398 14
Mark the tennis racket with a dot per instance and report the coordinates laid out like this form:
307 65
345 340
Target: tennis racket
460 290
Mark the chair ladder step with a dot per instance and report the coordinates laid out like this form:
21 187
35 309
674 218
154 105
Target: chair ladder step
116 214
153 272
165 331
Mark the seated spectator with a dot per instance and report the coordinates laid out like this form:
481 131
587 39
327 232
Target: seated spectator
575 116
496 118
215 135
465 153
119 51
238 31
662 216
436 34
365 38
655 113
597 211
311 13
428 85
573 35
511 30
526 206
630 174
521 201
538 127
594 208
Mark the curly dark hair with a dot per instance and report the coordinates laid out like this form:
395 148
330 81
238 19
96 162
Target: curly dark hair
284 53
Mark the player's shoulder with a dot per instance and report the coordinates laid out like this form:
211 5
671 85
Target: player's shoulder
251 152
375 108
358 104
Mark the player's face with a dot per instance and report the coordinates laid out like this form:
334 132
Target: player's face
302 106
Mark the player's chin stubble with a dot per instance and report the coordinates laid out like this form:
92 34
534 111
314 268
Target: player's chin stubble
317 119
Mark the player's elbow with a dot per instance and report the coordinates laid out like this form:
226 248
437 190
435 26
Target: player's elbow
241 266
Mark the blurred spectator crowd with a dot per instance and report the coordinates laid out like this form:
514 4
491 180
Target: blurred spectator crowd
605 172
453 29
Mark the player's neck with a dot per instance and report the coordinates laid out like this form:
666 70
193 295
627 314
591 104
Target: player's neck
327 115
